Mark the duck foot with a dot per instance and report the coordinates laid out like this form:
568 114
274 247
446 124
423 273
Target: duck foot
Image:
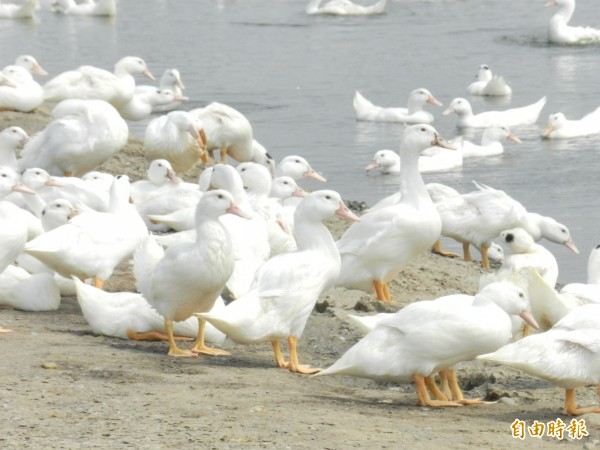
571 408
423 396
438 250
153 336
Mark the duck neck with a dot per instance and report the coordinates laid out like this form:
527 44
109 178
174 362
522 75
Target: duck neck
412 187
313 6
564 14
313 235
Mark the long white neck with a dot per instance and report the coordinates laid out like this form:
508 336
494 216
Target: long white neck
564 14
412 187
313 6
311 234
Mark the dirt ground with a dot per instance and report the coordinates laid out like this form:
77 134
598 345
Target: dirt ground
62 387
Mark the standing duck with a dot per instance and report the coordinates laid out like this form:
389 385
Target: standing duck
374 250
187 279
288 285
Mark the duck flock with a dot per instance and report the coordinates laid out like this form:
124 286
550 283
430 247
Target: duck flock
246 232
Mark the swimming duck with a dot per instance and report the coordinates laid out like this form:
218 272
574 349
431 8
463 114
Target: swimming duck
187 279
567 355
288 285
175 137
490 142
26 93
561 33
89 82
23 10
387 161
93 243
11 139
559 127
297 167
127 315
406 346
171 81
510 117
488 83
344 8
374 250
414 113
83 134
87 8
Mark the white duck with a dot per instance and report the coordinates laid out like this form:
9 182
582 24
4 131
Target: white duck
175 137
387 161
11 139
227 130
490 142
89 82
414 113
525 253
559 127
510 117
160 173
478 217
93 243
142 104
31 64
297 167
258 183
26 292
86 8
288 285
561 33
14 226
25 10
127 315
26 93
187 279
284 188
171 81
83 135
408 346
567 355
590 291
436 159
374 250
344 8
488 84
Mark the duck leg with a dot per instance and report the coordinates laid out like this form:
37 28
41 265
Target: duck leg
423 395
438 250
294 365
153 336
467 252
571 408
202 141
279 359
200 347
439 395
457 394
485 262
98 283
443 374
380 291
224 155
4 330
173 349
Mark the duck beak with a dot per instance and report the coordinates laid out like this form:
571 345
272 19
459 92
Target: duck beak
6 82
234 209
571 246
172 176
299 193
20 187
344 212
527 317
441 142
310 173
434 101
512 137
37 69
54 182
181 98
371 166
72 213
448 110
551 3
148 74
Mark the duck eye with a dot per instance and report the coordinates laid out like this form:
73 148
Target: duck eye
328 197
221 195
521 295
